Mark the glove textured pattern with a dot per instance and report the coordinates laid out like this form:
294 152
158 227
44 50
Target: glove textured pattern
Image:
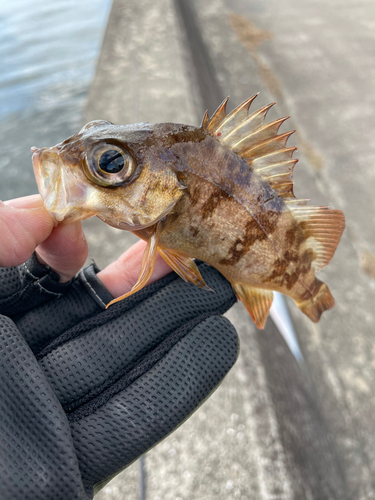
85 391
35 439
25 287
113 350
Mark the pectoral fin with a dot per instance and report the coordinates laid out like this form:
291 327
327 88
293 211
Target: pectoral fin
148 264
185 267
256 300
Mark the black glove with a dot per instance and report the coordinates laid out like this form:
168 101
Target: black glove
85 391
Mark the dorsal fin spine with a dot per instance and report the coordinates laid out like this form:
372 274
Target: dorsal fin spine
272 127
287 163
218 116
297 202
259 113
281 140
205 119
256 142
243 108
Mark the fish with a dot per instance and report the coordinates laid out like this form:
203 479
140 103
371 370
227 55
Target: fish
221 193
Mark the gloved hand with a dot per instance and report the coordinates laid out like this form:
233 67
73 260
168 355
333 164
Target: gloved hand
85 391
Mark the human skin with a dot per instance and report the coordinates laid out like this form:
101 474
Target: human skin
26 226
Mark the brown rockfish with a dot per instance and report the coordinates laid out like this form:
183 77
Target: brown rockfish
221 193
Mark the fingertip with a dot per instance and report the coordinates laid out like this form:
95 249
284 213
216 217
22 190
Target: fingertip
22 230
65 250
120 276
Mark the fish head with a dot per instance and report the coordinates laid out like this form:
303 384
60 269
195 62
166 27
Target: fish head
119 173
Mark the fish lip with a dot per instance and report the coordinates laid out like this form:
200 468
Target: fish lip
36 159
61 192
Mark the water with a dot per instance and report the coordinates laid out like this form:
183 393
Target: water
48 55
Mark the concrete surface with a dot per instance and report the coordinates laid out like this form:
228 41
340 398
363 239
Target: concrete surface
318 63
274 429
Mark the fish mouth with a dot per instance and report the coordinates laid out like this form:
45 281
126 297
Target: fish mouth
63 194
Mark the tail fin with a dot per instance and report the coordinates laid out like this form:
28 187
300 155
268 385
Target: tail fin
320 302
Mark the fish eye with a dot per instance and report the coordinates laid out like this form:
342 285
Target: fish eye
112 161
109 165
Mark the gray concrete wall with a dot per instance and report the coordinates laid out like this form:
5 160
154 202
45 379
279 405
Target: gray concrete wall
274 429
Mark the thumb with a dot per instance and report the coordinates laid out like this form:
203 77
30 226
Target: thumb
22 230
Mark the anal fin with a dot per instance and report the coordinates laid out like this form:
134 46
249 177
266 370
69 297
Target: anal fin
184 266
256 300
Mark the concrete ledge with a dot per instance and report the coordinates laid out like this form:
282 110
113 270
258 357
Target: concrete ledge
142 75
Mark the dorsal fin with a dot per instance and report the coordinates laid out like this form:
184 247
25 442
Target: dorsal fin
205 119
236 116
257 142
217 117
323 228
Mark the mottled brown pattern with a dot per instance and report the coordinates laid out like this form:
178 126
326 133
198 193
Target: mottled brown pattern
219 166
254 231
280 275
167 134
294 236
290 280
304 226
217 196
279 270
194 231
313 289
194 195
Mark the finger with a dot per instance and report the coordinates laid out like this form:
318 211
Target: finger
65 250
24 224
120 276
31 201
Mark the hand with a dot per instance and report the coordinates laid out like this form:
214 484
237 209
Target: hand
84 391
25 226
